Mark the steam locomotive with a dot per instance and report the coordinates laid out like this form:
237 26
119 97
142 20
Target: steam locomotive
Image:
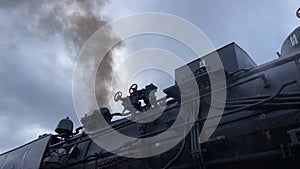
260 126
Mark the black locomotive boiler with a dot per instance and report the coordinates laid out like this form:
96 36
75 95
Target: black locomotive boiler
260 126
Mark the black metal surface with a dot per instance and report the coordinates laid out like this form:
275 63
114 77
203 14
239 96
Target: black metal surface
259 127
28 156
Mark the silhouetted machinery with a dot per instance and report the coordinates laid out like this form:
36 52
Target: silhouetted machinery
260 126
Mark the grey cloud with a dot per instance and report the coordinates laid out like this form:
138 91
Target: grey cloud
75 21
32 92
35 85
249 23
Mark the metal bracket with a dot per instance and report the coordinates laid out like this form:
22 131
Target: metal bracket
286 150
265 80
215 139
295 136
297 62
262 76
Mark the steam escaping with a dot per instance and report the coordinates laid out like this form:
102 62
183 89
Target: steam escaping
75 21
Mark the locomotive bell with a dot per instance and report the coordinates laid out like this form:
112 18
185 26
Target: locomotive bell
65 126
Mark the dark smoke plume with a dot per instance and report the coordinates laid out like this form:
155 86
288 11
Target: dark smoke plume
76 21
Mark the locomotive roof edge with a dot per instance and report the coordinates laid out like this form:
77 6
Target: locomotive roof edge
18 147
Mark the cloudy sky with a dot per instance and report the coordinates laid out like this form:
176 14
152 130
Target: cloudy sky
40 40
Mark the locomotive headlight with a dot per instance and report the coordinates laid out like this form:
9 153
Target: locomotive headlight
298 13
